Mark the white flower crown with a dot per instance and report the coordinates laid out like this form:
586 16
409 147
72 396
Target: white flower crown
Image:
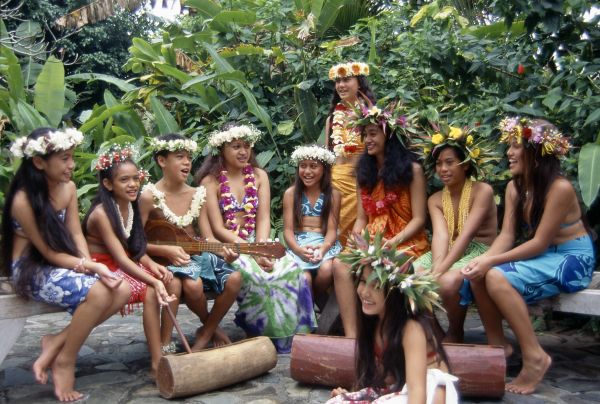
53 141
243 132
188 145
349 69
312 152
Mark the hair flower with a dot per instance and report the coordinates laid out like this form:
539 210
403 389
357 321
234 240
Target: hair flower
247 133
350 69
312 152
537 133
52 141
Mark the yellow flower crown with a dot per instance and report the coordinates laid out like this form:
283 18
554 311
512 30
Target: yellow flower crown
535 132
477 152
348 69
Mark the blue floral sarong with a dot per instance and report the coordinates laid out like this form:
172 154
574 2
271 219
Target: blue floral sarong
315 239
567 267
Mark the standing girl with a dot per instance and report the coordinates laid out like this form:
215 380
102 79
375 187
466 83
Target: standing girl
463 216
310 214
115 235
391 195
398 357
352 92
44 249
556 254
275 299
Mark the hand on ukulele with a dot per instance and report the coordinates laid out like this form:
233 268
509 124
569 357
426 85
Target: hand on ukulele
177 256
229 255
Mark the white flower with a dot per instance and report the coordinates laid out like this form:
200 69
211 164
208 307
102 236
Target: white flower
17 147
312 152
243 132
179 221
371 249
51 142
374 111
173 145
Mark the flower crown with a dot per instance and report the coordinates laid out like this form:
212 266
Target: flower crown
536 133
477 152
247 133
349 69
116 153
312 152
157 145
386 117
391 267
52 141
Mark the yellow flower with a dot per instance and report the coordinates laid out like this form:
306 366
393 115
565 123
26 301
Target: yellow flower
341 71
248 207
426 150
455 133
437 138
332 74
474 153
469 140
355 69
374 111
365 70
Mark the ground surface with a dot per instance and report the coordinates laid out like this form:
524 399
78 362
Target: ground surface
113 364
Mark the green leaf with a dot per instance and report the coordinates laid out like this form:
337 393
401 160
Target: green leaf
164 120
85 189
553 97
98 117
206 8
173 72
306 105
589 172
285 128
189 99
234 17
329 13
91 77
13 74
49 97
27 118
593 117
144 51
31 70
264 157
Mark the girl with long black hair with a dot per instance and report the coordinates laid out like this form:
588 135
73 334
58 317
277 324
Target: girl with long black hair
44 249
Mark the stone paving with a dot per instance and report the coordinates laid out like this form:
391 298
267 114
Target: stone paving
113 364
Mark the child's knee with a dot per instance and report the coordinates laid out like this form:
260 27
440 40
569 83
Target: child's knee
234 281
192 287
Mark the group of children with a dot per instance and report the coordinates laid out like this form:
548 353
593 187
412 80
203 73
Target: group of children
368 179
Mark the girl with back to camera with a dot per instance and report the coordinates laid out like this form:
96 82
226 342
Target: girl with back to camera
115 235
463 215
44 249
555 255
398 357
275 299
352 92
311 210
391 195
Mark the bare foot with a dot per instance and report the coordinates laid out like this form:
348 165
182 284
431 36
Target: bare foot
63 376
202 339
530 376
220 338
50 348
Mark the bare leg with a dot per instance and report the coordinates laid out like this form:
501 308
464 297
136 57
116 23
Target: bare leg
151 317
222 304
512 306
85 318
53 343
345 292
450 283
166 325
324 278
490 316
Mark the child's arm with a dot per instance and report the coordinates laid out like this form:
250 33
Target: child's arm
361 216
175 254
215 218
263 215
439 239
418 198
332 221
288 227
414 343
160 271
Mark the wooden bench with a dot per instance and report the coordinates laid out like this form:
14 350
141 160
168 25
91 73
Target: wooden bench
585 302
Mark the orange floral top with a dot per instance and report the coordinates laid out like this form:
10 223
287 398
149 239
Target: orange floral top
389 213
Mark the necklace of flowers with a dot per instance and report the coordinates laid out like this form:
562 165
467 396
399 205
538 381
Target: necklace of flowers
345 140
250 203
126 227
193 212
378 207
463 210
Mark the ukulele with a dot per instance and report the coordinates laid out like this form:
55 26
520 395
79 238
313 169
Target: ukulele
161 232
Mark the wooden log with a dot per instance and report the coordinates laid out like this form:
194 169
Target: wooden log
210 369
329 361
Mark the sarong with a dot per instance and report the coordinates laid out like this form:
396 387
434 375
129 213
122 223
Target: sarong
315 239
435 378
474 249
567 267
343 178
277 304
57 286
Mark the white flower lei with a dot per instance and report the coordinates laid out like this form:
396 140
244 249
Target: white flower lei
179 221
126 227
189 145
312 152
341 134
243 132
51 142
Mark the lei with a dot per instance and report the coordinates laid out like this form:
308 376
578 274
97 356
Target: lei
463 210
345 140
249 207
193 212
379 207
126 227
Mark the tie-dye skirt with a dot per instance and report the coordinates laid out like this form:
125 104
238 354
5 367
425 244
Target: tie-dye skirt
276 304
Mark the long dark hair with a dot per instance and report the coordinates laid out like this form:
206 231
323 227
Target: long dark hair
397 165
135 245
214 164
53 230
539 173
397 314
327 191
